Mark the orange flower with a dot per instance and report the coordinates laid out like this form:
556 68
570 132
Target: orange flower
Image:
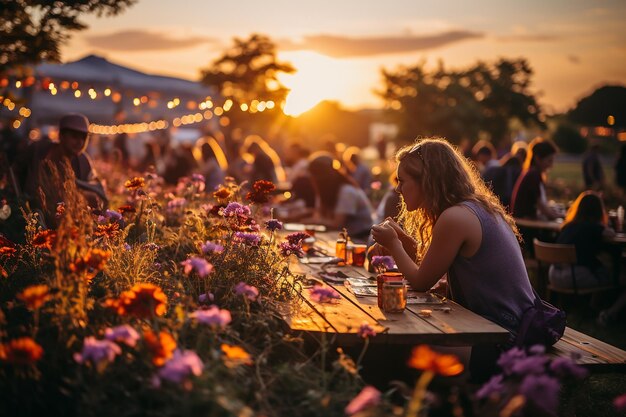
109 230
222 193
7 251
126 209
260 191
135 183
22 351
235 356
35 296
92 263
143 301
161 346
425 359
44 239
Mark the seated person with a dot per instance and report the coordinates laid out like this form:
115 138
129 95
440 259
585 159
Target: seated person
585 226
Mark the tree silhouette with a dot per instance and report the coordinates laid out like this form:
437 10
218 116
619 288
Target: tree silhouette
32 31
595 109
461 104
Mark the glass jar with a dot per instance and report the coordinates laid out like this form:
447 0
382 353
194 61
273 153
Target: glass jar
386 277
394 296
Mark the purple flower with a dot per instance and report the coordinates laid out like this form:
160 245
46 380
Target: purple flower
127 246
321 294
197 178
205 298
380 262
97 351
180 367
620 403
250 239
537 349
565 367
248 291
236 209
542 390
535 364
213 316
151 246
287 249
111 214
508 359
124 334
296 238
368 397
200 265
491 387
211 247
273 225
365 331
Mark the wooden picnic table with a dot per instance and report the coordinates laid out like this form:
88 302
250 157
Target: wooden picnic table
341 319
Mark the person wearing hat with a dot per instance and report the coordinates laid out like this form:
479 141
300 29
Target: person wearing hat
34 168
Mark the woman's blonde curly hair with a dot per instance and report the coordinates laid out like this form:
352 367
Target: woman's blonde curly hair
446 178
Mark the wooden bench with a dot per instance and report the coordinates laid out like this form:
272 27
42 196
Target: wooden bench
591 352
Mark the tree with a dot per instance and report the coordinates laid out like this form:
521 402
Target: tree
461 104
595 109
32 31
569 139
248 71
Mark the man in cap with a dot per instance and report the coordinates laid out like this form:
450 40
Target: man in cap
35 173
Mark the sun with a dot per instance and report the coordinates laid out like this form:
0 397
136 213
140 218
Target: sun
318 78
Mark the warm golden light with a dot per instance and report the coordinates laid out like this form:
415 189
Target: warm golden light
610 120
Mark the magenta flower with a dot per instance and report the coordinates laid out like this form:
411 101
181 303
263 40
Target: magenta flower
211 247
200 265
287 249
296 238
250 239
321 294
123 334
248 291
97 351
205 298
181 366
368 397
212 316
365 331
273 225
620 403
383 262
491 387
564 367
542 390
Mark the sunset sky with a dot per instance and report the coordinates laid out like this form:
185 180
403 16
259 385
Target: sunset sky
339 46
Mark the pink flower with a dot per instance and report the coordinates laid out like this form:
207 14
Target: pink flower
205 298
368 397
248 291
287 249
321 294
250 239
366 331
180 367
296 238
124 334
97 351
213 316
211 247
620 403
200 265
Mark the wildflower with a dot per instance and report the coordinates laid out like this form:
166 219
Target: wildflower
365 331
124 334
287 249
35 296
91 263
176 203
135 183
44 239
60 210
97 351
273 225
143 300
296 238
321 294
250 239
260 192
7 251
213 316
151 246
211 247
346 362
542 390
248 291
222 193
198 182
127 247
111 214
161 346
368 397
620 403
126 209
21 351
535 364
509 358
383 262
235 356
200 265
180 367
425 359
205 298
108 230
492 387
236 210
565 367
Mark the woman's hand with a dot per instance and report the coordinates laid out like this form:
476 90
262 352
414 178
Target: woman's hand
385 234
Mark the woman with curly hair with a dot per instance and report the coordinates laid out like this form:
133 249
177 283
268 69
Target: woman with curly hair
454 225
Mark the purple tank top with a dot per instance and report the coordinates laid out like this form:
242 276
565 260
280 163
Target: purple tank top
494 282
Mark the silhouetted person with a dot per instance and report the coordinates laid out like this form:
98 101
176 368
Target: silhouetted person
593 174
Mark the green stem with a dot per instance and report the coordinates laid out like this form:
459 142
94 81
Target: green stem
418 394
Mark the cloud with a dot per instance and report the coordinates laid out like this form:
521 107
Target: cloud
528 38
342 47
141 40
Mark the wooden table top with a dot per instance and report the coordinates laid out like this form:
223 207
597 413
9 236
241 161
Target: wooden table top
342 319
